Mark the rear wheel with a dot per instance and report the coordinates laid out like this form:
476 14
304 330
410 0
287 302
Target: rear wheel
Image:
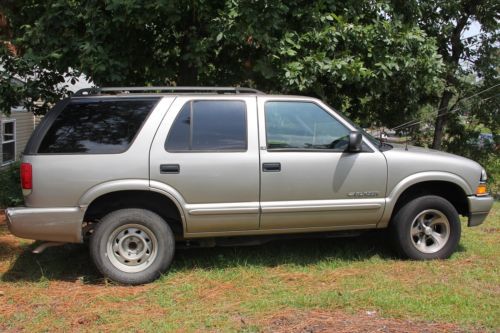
427 227
132 246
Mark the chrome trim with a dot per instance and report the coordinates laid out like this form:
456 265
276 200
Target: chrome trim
217 211
322 205
484 176
323 208
223 208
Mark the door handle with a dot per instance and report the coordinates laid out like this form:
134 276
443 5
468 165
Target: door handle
271 167
170 168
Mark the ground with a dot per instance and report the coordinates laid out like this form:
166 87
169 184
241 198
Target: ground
335 285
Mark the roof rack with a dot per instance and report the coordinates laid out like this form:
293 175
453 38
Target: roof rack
128 90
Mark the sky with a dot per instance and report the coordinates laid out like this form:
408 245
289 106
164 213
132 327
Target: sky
474 29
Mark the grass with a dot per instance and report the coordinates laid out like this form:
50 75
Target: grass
246 288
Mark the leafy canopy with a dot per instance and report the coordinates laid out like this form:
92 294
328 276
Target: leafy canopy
359 56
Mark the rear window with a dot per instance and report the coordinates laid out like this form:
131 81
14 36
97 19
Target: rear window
96 127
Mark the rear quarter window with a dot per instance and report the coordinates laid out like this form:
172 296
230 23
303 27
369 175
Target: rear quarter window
96 126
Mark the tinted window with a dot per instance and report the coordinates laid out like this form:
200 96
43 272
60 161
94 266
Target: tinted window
94 127
180 134
209 126
303 125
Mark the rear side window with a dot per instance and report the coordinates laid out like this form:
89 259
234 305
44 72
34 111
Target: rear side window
209 126
96 127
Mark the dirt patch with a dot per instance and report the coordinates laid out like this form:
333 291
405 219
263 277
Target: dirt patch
76 304
318 321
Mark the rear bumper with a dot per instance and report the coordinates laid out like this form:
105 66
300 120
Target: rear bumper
48 224
479 207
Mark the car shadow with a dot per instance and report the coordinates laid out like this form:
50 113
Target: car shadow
72 262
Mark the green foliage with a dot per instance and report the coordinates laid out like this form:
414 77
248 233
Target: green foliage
464 140
36 93
358 56
478 55
380 62
10 189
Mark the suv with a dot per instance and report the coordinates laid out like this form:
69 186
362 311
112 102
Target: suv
138 170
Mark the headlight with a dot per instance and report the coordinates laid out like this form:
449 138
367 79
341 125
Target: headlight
484 176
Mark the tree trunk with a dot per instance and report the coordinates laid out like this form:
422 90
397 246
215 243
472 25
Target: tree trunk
453 59
441 119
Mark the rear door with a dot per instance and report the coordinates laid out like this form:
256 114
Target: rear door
206 150
308 180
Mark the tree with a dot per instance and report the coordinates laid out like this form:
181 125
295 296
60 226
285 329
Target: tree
358 56
446 21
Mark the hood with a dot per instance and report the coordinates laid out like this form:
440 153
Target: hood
427 151
402 163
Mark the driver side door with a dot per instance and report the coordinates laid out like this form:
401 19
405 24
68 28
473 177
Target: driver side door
308 179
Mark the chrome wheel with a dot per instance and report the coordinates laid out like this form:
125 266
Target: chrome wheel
430 231
132 248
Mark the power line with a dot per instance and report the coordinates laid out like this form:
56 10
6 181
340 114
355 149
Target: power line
406 124
416 122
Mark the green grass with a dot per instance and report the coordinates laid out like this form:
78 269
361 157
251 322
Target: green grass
237 289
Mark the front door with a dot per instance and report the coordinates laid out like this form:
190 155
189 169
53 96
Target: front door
206 153
308 180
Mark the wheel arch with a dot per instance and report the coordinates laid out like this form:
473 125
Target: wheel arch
115 195
447 185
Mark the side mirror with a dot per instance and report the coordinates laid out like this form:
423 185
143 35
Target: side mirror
355 141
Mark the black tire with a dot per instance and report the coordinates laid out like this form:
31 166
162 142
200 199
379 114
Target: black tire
154 244
413 243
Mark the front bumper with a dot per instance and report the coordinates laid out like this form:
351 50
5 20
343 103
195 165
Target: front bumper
48 224
479 207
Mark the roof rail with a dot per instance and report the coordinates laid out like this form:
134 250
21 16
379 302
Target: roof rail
127 90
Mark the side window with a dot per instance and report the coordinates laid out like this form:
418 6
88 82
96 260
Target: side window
209 126
96 126
302 126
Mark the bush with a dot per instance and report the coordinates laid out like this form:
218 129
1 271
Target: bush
10 188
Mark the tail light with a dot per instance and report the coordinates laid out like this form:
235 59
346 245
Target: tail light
26 178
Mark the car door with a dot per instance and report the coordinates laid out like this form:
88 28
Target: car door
308 180
206 154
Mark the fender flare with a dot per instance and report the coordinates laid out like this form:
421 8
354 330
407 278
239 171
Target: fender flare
134 185
416 178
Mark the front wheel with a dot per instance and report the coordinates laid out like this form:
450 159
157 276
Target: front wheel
132 246
427 227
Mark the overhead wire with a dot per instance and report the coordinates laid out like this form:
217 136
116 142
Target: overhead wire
417 121
449 112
